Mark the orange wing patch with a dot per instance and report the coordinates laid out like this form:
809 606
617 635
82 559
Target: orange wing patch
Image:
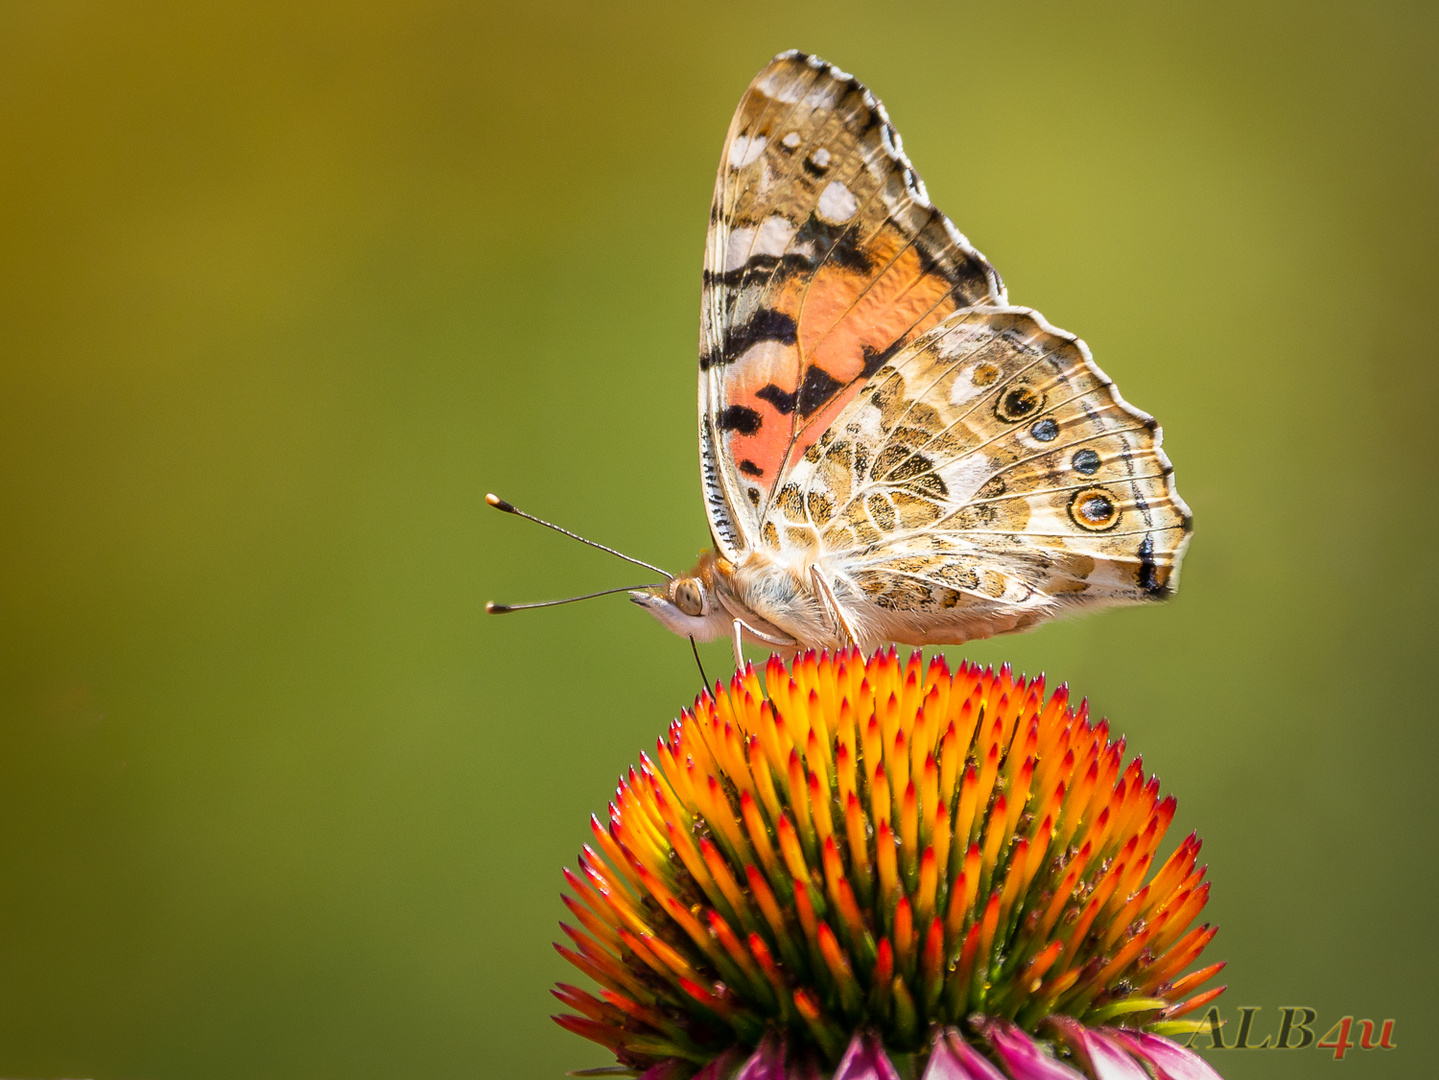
782 397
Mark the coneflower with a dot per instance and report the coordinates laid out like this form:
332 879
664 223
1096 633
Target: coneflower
874 869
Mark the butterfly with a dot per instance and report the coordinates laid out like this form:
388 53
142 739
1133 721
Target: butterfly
890 450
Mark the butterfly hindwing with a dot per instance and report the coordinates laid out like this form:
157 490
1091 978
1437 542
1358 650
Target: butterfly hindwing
824 258
984 478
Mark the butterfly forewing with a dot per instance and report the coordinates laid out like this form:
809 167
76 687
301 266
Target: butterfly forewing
824 258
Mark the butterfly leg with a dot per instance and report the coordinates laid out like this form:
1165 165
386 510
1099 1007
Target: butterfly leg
831 602
738 639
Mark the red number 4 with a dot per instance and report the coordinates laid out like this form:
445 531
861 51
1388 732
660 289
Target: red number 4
1337 1037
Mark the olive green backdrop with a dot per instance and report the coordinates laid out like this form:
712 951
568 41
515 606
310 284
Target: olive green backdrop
284 292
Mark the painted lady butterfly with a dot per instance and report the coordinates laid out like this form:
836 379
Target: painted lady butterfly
889 450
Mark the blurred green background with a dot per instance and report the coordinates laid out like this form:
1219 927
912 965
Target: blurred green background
285 289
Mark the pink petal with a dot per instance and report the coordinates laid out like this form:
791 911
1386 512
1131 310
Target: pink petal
766 1063
955 1059
1022 1055
865 1059
1103 1056
1170 1060
671 1068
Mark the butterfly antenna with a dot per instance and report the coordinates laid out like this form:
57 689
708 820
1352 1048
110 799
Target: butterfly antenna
509 508
505 609
700 664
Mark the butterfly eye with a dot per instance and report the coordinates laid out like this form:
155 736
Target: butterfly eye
689 597
1017 402
1094 509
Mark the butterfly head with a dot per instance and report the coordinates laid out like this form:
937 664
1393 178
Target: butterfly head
687 604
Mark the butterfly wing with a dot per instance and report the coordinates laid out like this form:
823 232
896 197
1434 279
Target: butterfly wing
988 476
824 258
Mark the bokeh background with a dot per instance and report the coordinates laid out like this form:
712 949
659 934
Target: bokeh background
286 288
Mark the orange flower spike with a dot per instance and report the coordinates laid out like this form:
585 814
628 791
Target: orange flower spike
723 878
957 912
799 799
592 922
856 833
1122 959
598 964
888 870
928 797
1098 898
1176 868
861 942
684 846
804 912
909 830
818 726
773 738
611 849
935 712
1018 795
966 723
794 713
941 834
1034 971
724 824
590 894
863 700
844 772
964 820
766 963
960 980
988 770
663 959
735 950
818 760
880 803
759 769
1179 956
931 964
924 896
951 759
897 761
768 905
873 755
995 837
903 936
688 923
736 760
774 672
1014 881
758 835
1196 979
984 956
839 969
1182 918
789 848
591 1006
887 712
1061 898
1184 1008
1158 824
819 801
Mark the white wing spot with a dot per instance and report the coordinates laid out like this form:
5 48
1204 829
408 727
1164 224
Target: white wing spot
744 150
836 203
821 158
791 140
772 238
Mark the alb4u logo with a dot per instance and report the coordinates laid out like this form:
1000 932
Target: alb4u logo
1296 1031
